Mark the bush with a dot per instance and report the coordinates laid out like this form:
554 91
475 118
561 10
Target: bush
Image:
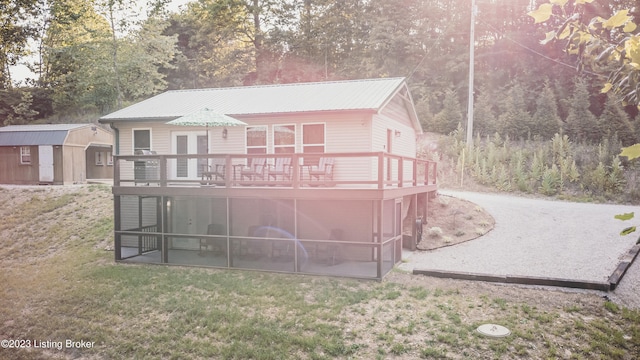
434 232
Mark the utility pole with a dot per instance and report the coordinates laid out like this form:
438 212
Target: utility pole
471 75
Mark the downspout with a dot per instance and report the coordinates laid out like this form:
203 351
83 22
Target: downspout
116 131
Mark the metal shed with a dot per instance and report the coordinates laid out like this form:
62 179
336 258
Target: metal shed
55 154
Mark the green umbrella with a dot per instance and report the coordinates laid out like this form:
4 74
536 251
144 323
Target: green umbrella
207 117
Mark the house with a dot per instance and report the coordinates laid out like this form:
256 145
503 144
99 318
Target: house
323 179
55 154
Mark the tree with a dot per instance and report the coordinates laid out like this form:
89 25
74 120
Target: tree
581 124
615 121
604 39
484 116
514 119
546 121
448 119
15 31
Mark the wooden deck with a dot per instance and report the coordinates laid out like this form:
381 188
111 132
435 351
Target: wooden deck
385 176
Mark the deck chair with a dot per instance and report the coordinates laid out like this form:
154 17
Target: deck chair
215 172
217 245
327 252
252 247
323 171
281 168
255 168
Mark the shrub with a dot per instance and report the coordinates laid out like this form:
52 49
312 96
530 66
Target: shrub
434 232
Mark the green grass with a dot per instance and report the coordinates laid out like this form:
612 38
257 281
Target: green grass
61 284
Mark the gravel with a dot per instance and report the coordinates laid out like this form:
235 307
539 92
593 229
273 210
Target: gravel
543 238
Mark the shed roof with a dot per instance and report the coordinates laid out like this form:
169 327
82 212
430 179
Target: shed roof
31 135
370 94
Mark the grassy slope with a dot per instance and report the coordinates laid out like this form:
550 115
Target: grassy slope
59 283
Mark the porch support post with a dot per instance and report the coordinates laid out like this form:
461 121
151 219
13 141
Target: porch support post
415 172
295 175
140 224
295 236
117 225
164 251
227 182
163 170
380 237
400 171
229 222
229 257
381 170
414 212
116 172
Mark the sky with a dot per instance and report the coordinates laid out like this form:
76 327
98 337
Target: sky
21 72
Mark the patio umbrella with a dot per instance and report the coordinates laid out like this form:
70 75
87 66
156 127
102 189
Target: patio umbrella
207 118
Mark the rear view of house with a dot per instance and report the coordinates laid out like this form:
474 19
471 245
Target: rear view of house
323 179
55 154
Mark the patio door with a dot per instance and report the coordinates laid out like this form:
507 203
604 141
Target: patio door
183 143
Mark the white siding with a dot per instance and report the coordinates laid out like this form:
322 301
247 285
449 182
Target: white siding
344 132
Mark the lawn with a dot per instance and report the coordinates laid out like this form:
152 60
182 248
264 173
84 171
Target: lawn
59 283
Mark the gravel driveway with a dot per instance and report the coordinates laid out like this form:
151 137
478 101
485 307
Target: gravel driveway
546 238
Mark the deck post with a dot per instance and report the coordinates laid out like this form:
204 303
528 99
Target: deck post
400 172
295 176
163 170
380 170
163 239
117 223
227 177
380 238
415 172
116 173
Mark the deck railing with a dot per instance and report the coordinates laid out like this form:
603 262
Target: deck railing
359 170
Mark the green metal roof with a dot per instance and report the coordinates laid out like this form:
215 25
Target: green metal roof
371 94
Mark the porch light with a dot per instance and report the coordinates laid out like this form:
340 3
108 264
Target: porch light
398 133
224 133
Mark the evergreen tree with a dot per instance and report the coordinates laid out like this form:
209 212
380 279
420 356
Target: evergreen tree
581 124
484 117
515 119
546 122
450 116
614 121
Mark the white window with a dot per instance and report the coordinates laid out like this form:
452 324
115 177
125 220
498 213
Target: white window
313 138
141 140
284 139
313 141
256 140
109 159
25 155
99 158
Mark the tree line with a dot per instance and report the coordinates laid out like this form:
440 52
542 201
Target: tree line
92 57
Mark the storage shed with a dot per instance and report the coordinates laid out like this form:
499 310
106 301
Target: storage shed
58 154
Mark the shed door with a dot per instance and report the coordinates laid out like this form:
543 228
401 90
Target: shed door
45 159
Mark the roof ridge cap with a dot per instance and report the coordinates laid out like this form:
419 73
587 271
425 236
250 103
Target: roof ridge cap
286 84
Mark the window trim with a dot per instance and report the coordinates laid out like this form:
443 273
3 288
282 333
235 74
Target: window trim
133 139
324 137
99 158
295 138
25 154
266 139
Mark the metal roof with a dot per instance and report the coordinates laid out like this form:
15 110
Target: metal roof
369 94
31 135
